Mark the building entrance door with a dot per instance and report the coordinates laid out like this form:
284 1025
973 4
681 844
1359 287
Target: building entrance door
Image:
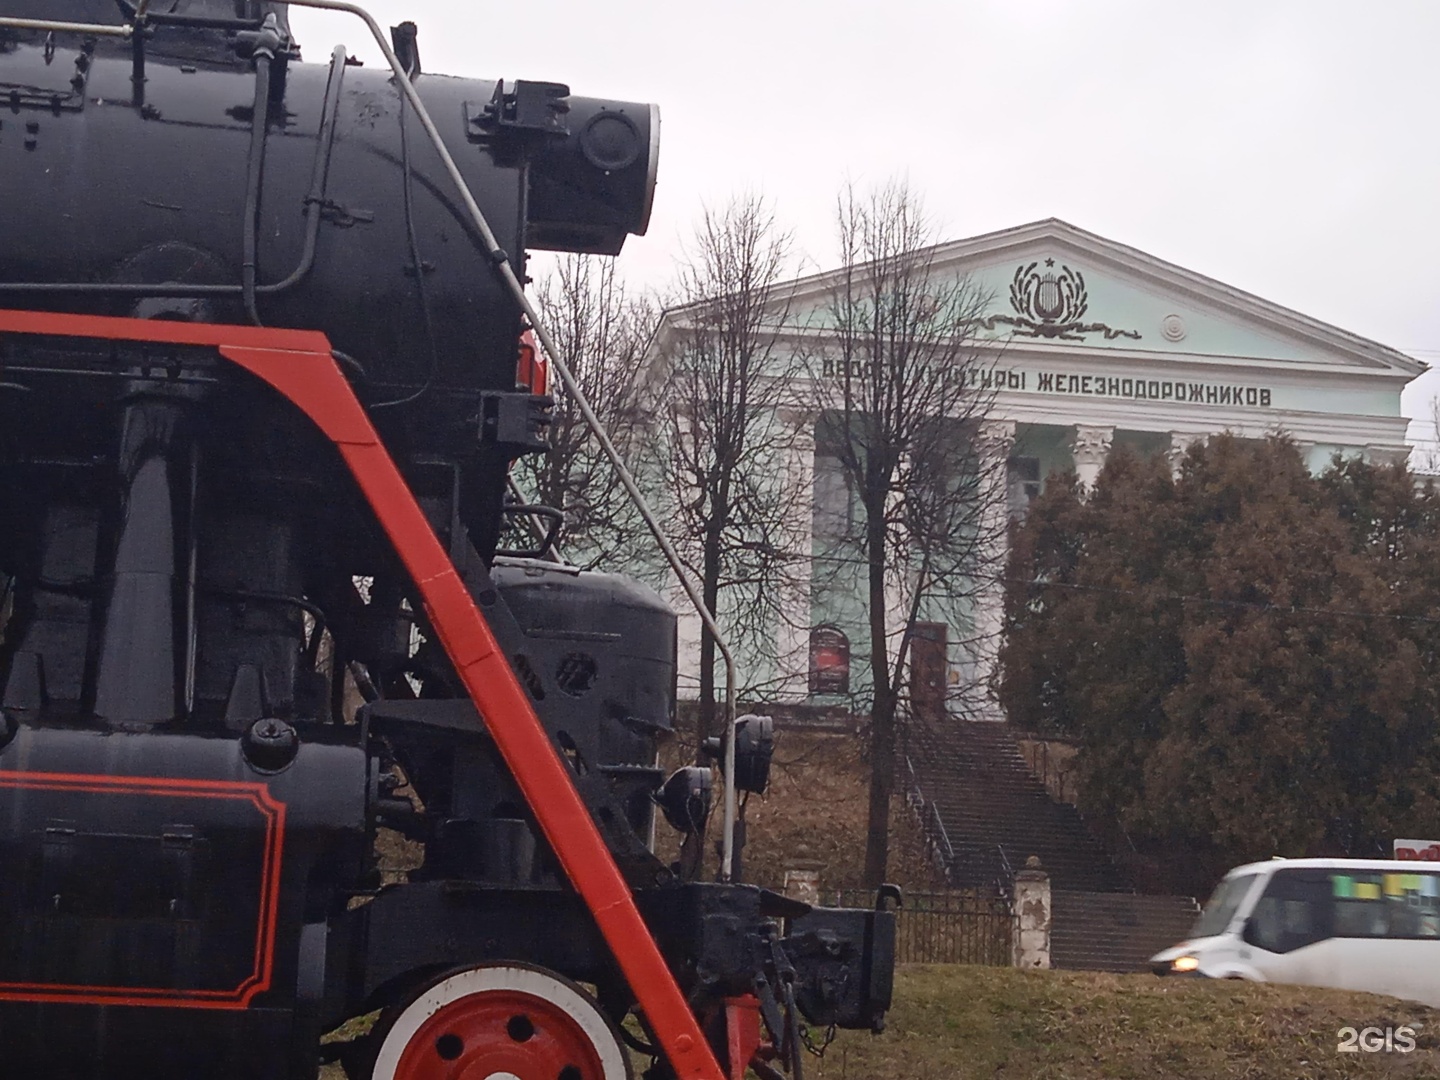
928 664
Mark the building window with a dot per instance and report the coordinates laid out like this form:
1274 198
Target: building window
1022 485
829 661
929 669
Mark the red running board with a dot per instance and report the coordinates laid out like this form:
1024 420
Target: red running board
299 365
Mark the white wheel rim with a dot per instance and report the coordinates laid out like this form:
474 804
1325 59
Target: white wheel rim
561 993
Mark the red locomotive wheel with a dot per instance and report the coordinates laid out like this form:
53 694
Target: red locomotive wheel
500 1022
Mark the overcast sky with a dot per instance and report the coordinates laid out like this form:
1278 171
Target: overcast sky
1285 147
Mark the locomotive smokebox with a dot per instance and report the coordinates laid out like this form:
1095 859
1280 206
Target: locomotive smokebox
217 541
591 189
157 180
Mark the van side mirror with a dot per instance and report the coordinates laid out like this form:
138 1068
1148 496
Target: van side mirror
1248 933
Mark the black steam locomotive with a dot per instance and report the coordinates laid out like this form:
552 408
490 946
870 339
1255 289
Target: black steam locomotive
258 408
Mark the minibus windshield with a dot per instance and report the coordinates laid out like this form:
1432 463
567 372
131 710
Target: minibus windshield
1221 907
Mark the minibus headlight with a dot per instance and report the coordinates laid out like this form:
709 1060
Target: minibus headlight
1184 963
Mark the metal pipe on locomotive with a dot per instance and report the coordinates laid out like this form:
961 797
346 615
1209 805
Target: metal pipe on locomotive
211 541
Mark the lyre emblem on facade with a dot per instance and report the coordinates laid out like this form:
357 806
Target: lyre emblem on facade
1051 304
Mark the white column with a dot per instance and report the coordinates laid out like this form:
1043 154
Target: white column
689 625
798 482
1089 447
996 440
1180 443
900 589
687 645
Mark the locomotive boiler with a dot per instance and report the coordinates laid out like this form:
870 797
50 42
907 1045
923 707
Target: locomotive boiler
261 601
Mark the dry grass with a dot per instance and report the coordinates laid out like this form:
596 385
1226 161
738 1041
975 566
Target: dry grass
967 1023
963 1023
815 811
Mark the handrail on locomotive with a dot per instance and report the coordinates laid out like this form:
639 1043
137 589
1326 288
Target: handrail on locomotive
556 357
163 776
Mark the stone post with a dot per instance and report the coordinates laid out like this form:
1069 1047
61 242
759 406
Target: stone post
802 881
1032 916
1089 447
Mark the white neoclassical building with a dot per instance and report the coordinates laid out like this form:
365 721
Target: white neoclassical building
1097 345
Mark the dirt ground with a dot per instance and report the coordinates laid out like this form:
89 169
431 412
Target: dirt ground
815 812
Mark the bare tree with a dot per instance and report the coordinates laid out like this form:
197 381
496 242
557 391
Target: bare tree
602 331
725 380
905 389
1425 459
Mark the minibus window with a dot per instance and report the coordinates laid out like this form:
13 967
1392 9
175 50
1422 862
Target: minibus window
1293 912
1377 904
1222 906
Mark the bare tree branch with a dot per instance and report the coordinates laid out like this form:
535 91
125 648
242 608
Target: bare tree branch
722 450
603 331
906 401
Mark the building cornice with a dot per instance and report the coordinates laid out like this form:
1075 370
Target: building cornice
1138 267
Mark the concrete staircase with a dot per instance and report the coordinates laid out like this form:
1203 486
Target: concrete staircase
1115 931
996 814
989 813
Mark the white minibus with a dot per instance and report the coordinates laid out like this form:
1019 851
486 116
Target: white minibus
1350 924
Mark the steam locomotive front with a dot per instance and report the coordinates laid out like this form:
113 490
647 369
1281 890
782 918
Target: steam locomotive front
220 675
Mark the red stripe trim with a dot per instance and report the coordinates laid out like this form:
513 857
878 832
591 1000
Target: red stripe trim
160 331
258 795
303 370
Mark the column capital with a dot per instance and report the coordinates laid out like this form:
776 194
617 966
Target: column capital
995 439
797 417
1089 447
1381 454
799 427
1180 444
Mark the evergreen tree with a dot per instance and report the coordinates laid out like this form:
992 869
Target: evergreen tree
1248 655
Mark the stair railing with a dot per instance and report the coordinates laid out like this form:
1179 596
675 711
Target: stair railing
1123 857
1058 781
945 849
939 846
932 826
1005 883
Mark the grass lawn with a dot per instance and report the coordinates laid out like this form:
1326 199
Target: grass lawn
957 1023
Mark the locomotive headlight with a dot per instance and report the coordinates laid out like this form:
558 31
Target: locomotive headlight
685 799
754 749
596 186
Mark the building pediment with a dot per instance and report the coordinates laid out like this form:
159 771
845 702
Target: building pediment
1051 287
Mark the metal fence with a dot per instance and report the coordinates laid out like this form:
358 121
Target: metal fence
945 927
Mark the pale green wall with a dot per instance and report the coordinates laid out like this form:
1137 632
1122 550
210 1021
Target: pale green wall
1224 328
1049 444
